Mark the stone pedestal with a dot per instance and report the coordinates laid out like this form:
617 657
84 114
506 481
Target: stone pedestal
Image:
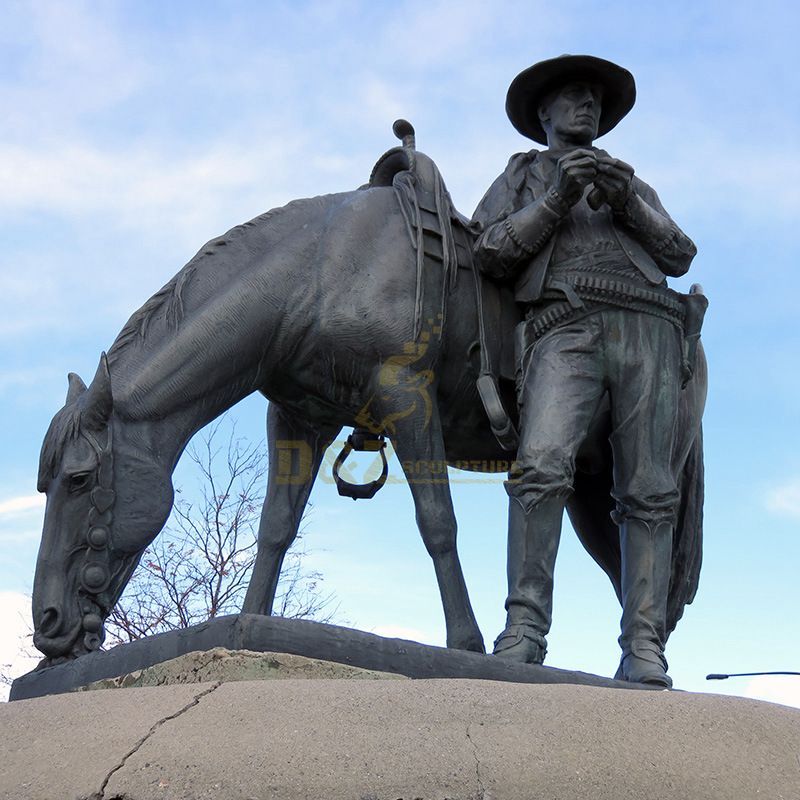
352 739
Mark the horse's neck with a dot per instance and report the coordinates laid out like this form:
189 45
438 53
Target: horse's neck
164 394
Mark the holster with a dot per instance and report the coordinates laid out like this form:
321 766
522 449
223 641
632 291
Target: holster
695 304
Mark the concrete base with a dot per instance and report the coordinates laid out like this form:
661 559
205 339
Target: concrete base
396 740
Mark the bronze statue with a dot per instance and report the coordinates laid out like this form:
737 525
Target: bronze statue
355 309
586 245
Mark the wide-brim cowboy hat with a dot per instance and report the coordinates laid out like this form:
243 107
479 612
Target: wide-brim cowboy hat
530 87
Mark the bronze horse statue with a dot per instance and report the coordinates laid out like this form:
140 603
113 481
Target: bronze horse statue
354 309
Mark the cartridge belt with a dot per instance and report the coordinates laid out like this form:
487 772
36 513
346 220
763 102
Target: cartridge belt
574 295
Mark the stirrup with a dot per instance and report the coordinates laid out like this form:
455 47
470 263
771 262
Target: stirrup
521 643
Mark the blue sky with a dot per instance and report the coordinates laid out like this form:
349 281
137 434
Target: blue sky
135 131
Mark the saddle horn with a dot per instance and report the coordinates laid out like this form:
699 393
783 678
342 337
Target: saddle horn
404 131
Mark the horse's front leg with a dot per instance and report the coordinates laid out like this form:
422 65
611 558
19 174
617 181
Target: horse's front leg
419 445
296 449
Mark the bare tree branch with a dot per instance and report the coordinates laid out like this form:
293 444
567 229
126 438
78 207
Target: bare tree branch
200 565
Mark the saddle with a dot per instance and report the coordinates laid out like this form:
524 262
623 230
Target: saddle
443 237
438 233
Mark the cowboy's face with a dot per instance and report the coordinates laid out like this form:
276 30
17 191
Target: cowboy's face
571 114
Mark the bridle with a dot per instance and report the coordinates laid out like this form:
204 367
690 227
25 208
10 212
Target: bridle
95 572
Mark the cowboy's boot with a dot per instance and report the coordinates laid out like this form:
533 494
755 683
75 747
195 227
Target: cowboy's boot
646 567
533 538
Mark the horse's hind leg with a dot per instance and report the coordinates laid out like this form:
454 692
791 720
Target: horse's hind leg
295 453
420 448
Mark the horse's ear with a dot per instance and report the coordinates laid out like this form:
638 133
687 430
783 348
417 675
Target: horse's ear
98 402
76 388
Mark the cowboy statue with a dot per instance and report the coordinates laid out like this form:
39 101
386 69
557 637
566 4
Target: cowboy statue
586 246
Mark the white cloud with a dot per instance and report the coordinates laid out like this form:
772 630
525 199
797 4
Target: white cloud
76 62
436 33
22 504
783 689
17 655
139 188
785 499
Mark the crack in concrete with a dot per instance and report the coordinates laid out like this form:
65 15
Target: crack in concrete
100 795
481 795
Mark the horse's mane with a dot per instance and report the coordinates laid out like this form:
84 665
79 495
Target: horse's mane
168 301
65 426
169 298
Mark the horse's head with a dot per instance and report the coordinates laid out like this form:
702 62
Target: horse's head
105 504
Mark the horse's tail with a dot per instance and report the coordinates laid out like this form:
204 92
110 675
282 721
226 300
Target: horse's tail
687 549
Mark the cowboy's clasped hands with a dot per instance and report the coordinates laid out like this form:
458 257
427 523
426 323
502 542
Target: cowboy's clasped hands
574 171
614 180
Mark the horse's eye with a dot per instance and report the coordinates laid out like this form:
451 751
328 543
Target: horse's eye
79 481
